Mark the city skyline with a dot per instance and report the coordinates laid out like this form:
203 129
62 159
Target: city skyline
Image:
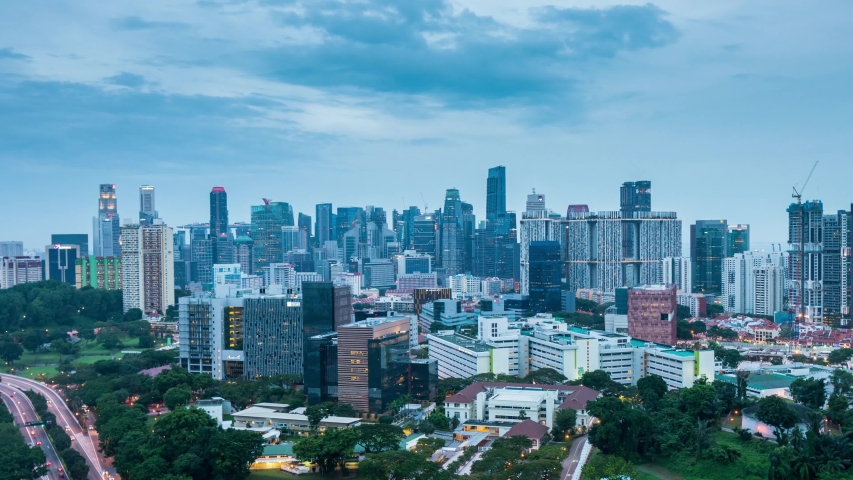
717 111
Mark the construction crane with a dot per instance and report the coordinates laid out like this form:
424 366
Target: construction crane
426 207
798 194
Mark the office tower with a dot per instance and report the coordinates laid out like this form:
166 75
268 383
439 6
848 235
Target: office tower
376 215
652 313
19 269
754 283
147 212
102 273
324 228
377 273
244 247
242 229
267 220
327 307
413 262
633 197
321 368
107 225
148 280
406 230
346 219
61 261
372 357
425 235
596 256
546 272
708 248
202 256
218 212
302 260
79 239
272 329
283 274
469 226
11 249
291 239
677 270
496 193
738 239
536 226
453 245
350 243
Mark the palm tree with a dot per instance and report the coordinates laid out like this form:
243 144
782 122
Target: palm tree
522 415
780 469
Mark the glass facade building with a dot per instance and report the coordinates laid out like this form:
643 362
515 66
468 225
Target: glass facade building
545 276
708 248
267 221
62 263
738 239
79 239
321 368
273 339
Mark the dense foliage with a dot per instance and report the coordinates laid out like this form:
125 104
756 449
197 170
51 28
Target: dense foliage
49 303
77 467
18 460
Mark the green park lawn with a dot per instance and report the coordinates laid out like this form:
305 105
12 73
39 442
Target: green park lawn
752 465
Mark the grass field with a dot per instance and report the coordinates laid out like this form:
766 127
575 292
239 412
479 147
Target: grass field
279 475
646 476
752 465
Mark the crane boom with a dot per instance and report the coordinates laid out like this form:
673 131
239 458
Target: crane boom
798 194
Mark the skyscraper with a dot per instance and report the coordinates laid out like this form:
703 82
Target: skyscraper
11 249
635 197
738 239
326 307
304 224
267 220
679 271
708 248
61 263
346 220
106 232
425 235
79 239
753 283
147 269
273 343
496 193
147 212
536 226
218 212
546 272
324 228
453 234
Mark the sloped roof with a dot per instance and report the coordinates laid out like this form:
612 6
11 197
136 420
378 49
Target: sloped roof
577 396
528 428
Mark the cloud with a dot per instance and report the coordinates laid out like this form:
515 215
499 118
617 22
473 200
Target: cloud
127 79
464 59
135 22
12 55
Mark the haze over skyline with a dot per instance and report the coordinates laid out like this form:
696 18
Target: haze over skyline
723 106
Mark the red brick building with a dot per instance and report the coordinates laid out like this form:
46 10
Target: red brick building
652 313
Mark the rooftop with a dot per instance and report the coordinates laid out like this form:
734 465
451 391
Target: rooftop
464 342
761 381
528 428
576 397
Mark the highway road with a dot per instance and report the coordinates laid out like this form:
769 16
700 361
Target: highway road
22 409
65 418
570 464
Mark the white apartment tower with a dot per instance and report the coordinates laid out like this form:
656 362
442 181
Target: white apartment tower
147 268
677 270
754 282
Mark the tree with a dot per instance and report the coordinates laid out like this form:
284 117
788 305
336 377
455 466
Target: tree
601 381
132 315
545 376
774 411
327 451
839 356
731 358
399 403
504 452
376 437
232 452
714 310
33 340
726 394
810 392
116 428
522 415
345 410
428 446
400 465
609 466
146 341
19 460
10 351
316 414
651 389
176 396
700 401
426 427
565 420
439 420
841 381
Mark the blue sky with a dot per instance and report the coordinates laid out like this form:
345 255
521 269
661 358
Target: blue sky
723 105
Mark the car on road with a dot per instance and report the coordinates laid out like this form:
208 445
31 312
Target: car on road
38 443
48 464
61 474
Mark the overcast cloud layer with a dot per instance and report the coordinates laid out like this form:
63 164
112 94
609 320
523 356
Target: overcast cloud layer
723 105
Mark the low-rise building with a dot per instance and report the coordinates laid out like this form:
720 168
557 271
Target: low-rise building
278 416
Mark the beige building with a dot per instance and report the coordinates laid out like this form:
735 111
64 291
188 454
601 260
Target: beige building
147 269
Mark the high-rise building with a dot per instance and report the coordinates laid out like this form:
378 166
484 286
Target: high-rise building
244 247
273 338
652 313
413 262
79 239
677 270
422 296
147 212
596 256
406 227
292 239
11 249
738 239
218 212
635 197
708 248
212 333
324 228
372 358
106 234
321 368
102 273
546 272
267 220
754 283
453 244
61 263
147 269
346 219
425 235
19 269
202 256
536 226
326 307
304 224
496 193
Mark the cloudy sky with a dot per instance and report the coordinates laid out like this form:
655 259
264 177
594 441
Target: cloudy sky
723 105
